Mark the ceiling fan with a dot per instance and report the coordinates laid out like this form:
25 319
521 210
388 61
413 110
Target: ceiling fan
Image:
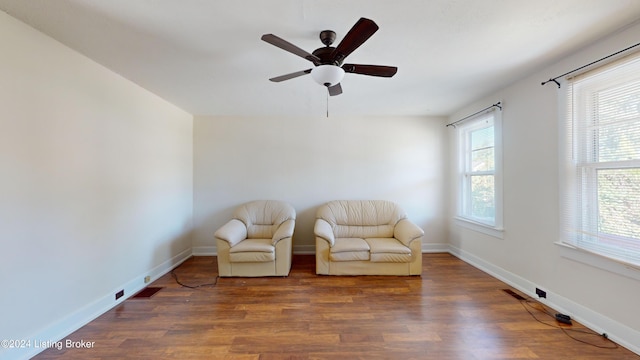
328 61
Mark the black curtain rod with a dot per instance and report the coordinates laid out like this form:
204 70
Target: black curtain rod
498 105
584 66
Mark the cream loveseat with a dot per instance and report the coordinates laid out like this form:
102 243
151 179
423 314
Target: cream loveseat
366 237
257 241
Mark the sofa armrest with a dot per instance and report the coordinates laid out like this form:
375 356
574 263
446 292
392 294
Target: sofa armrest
285 230
232 232
323 230
406 231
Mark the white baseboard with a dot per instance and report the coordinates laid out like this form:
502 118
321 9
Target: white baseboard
304 249
435 248
619 333
59 330
205 251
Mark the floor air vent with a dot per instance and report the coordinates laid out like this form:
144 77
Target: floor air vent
147 292
514 294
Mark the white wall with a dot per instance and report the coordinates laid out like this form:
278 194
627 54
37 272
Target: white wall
309 161
527 256
95 187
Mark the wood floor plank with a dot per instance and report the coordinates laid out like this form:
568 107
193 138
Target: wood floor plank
453 311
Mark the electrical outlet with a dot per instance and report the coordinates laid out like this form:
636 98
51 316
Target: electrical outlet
541 293
119 294
147 279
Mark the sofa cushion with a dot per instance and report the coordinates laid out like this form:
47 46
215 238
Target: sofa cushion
252 250
388 250
350 249
361 218
390 258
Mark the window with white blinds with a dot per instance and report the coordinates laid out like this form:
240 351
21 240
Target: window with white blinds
601 172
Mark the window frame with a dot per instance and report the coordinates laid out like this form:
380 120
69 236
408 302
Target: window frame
580 165
464 216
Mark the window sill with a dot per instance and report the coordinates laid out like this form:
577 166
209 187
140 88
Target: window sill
479 227
601 262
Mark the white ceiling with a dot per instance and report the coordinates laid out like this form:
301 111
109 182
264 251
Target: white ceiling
207 57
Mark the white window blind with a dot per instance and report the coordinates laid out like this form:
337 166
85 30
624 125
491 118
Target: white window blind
601 173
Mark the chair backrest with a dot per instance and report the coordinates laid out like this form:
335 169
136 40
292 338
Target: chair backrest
263 217
361 218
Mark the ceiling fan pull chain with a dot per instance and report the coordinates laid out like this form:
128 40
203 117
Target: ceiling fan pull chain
327 103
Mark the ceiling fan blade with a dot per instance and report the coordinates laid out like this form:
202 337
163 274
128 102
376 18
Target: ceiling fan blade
287 46
290 76
335 89
359 33
373 70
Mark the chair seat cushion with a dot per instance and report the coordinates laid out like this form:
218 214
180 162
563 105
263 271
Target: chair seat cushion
388 250
252 250
349 249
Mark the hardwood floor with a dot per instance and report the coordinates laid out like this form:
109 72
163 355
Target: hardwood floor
453 311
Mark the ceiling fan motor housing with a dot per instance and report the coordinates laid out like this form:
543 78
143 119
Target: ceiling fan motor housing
325 54
327 37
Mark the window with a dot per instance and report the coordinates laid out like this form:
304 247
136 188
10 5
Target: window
479 154
601 166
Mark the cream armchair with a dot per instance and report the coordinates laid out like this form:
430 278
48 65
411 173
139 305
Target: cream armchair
366 237
257 241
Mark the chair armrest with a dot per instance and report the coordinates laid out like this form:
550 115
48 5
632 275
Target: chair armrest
285 230
232 232
323 230
406 231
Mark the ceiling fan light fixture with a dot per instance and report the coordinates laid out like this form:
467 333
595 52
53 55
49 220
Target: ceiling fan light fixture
327 75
